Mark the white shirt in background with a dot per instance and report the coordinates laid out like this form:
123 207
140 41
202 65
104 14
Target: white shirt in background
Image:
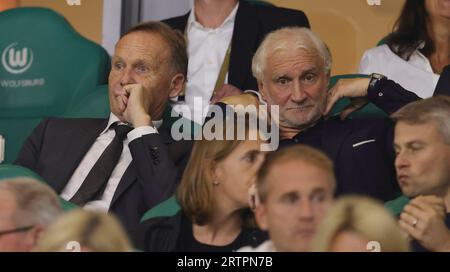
206 51
415 75
92 156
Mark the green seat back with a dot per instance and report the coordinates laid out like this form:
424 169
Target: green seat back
45 67
94 105
168 207
396 206
8 171
368 111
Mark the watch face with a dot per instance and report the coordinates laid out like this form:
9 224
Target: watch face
374 79
377 76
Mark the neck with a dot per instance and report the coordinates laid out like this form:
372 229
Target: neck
212 13
222 229
439 31
288 132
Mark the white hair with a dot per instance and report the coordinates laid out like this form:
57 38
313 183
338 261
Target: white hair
37 203
289 38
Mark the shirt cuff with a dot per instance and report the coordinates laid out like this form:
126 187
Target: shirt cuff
141 131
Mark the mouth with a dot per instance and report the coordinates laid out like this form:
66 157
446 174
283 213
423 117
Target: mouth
403 180
306 232
300 108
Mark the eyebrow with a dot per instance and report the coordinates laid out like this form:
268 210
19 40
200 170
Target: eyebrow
318 190
140 62
310 70
288 194
116 58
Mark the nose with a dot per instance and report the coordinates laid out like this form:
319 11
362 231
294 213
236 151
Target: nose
305 210
127 77
401 161
298 93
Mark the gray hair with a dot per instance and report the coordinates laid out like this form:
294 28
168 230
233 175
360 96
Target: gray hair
431 110
289 38
37 203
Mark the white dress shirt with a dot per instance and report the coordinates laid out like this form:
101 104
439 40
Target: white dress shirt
94 153
415 75
206 50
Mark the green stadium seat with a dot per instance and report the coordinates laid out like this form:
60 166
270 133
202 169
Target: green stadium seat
8 171
396 206
46 67
368 111
167 208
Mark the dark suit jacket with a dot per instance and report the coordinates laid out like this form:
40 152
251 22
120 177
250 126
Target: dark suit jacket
252 23
56 147
443 85
362 149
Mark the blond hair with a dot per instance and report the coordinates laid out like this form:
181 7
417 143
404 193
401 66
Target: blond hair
431 110
299 152
93 231
364 216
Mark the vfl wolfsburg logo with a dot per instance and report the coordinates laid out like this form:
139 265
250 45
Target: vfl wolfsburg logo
17 60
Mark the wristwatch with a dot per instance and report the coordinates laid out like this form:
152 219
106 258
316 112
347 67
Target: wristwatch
374 79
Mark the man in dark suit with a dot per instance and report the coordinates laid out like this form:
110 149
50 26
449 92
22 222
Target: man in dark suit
128 163
293 67
212 28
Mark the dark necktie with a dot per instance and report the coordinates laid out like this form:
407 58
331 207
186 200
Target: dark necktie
95 182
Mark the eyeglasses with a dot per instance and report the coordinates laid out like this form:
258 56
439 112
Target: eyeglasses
22 229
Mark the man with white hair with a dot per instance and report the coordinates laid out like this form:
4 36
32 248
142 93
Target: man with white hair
292 67
27 207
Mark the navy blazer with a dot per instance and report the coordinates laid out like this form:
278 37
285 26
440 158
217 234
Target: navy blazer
362 149
57 145
252 23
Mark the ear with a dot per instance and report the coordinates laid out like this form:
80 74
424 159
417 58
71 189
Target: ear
261 216
177 85
262 91
212 171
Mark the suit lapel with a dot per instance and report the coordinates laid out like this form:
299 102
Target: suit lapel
77 144
243 44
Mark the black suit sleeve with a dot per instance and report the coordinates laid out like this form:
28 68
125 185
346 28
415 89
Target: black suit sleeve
156 170
390 96
29 154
